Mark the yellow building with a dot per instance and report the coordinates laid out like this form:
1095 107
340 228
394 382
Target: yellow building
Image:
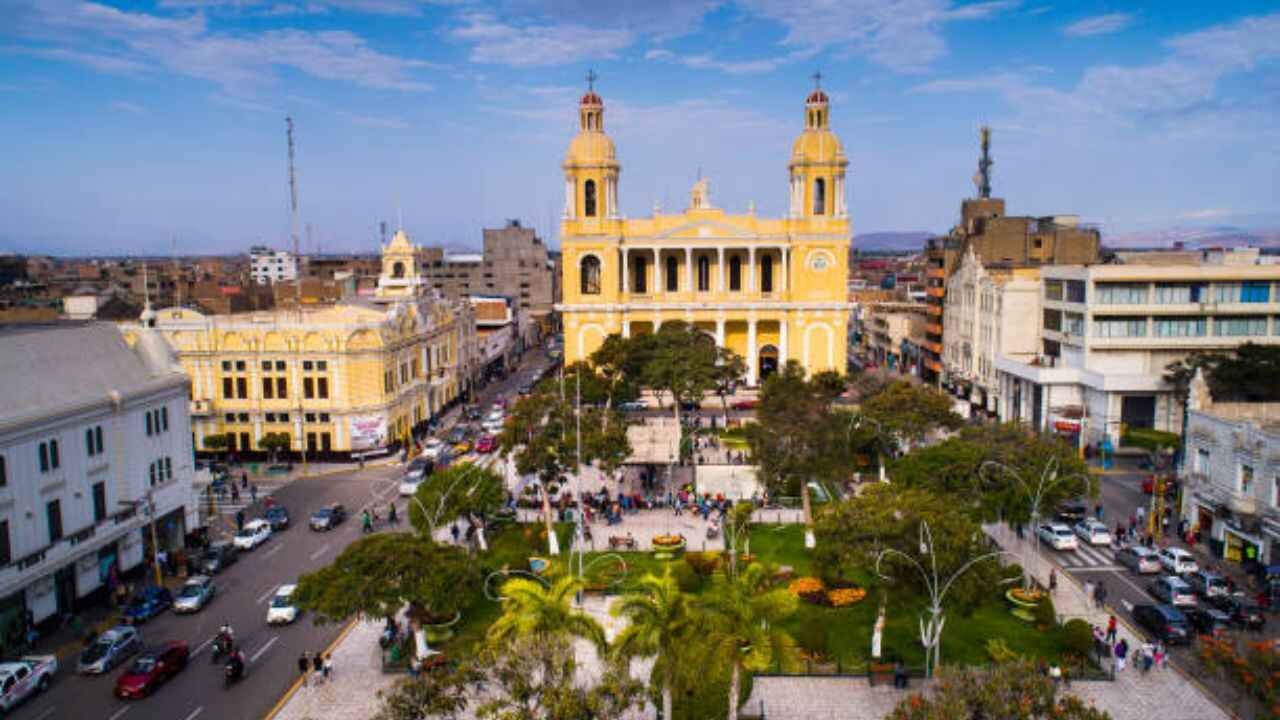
771 289
350 376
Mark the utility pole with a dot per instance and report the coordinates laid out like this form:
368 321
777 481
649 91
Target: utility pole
155 539
297 291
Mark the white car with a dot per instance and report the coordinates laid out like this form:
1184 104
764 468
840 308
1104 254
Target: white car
409 485
1093 532
1178 561
1057 536
433 449
255 533
282 611
24 677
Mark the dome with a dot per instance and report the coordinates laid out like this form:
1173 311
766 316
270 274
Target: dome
591 98
817 96
591 148
817 146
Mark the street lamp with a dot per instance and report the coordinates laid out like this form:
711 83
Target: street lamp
150 504
1049 478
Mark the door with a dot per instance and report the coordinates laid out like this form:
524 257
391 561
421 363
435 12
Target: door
64 586
1138 411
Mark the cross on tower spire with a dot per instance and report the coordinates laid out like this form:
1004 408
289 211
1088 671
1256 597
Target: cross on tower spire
591 79
817 79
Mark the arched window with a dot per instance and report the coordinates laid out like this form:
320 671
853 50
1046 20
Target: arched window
397 270
766 273
639 286
589 198
735 273
590 275
819 197
673 275
704 274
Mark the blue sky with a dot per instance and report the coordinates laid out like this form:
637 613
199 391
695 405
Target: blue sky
132 127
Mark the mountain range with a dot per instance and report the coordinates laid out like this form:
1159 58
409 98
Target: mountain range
1191 238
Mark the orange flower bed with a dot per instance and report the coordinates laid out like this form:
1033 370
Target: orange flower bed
806 585
842 597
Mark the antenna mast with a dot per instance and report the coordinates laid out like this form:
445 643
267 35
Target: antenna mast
293 220
983 178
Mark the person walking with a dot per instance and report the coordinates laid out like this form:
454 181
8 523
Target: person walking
328 667
253 493
244 480
317 666
1111 629
304 666
235 494
391 515
1088 590
1100 596
454 532
1121 652
1053 580
239 520
1097 510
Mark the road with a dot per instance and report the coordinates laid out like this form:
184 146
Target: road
243 593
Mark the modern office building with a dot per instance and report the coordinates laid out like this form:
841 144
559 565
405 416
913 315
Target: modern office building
267 266
772 290
94 441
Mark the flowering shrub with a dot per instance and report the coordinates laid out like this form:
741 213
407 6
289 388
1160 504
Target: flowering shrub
1256 669
809 589
842 597
1027 596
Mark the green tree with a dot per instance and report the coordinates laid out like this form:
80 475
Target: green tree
738 627
453 492
440 694
659 623
217 441
534 678
1013 691
683 362
378 574
533 610
620 363
910 411
1246 374
730 367
275 443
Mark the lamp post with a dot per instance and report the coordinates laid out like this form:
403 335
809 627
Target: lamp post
150 504
1048 479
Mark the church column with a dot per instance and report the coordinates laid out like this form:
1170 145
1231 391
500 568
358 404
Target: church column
786 268
657 273
751 269
720 332
782 341
720 274
626 328
688 268
568 198
752 355
626 273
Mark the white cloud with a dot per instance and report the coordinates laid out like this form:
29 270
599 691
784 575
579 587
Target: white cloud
1205 214
102 62
1098 25
530 45
707 62
125 106
271 7
385 122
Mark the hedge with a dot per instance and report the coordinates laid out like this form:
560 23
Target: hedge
1152 440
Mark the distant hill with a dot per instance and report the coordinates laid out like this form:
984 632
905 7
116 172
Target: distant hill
1194 238
903 242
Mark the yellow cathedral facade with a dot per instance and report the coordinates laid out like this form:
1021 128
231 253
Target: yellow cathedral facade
770 289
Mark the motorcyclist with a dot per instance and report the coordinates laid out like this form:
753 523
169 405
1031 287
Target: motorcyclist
235 665
223 641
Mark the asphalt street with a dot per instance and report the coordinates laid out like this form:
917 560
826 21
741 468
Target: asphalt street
244 591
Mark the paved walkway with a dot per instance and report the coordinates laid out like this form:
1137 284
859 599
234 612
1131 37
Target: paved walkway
643 525
352 690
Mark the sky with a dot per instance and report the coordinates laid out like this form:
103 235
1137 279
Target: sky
159 126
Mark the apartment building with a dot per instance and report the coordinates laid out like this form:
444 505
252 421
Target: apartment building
267 266
891 334
95 440
515 263
1109 331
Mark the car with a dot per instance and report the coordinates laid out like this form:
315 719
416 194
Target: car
196 592
1177 561
473 413
24 677
1139 559
690 406
282 611
1057 536
462 448
1071 512
147 603
217 557
409 485
745 405
111 648
493 427
1241 612
253 534
458 434
1094 532
1207 584
328 517
278 517
1207 621
419 468
1173 590
486 444
151 669
633 406
525 388
1166 622
433 448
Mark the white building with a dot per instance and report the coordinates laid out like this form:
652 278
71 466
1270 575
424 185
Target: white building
1232 475
1109 332
267 266
91 431
991 311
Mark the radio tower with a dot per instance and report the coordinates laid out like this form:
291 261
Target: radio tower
297 282
983 178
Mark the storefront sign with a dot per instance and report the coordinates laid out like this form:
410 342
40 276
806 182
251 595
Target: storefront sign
368 432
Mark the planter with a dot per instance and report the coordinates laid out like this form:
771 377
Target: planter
1022 601
539 566
438 632
667 547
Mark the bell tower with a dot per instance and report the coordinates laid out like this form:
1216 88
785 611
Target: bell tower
590 168
818 163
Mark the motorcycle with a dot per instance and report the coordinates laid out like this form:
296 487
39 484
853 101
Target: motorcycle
232 672
221 648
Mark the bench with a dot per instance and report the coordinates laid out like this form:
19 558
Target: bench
881 673
621 541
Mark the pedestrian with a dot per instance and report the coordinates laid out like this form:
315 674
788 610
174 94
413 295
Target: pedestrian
1053 580
1088 590
244 480
253 493
304 666
1146 657
328 667
239 520
391 515
1159 655
366 522
454 532
235 494
317 666
1111 629
1098 511
1121 651
1100 596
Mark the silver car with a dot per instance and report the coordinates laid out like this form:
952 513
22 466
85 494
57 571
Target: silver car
1173 590
112 647
194 595
1139 559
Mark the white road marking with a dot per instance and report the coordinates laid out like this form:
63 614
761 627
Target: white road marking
46 713
116 715
270 591
201 647
323 549
1128 606
195 713
273 550
1098 568
255 656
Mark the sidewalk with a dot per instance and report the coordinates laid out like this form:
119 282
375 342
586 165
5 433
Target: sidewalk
643 525
352 690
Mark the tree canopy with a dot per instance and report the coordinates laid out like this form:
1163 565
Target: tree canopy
448 494
1245 375
378 574
796 436
1010 691
910 411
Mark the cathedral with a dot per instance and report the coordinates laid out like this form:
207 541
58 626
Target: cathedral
770 289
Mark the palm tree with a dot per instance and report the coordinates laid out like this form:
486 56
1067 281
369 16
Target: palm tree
737 627
531 609
659 619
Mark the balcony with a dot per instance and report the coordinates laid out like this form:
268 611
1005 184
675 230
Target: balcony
936 273
936 292
933 347
933 329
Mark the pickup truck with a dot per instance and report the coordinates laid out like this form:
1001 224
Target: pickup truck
25 676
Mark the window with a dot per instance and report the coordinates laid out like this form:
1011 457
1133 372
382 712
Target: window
229 417
99 502
306 365
151 471
1053 320
227 391
1202 461
266 365
267 389
322 388
53 513
6 551
97 440
819 197
1052 289
704 274
735 273
1120 327
1179 293
310 417
1075 291
1246 479
149 426
88 442
242 388
226 366
240 365
322 365
280 366
641 276
1179 327
244 417
1121 293
53 454
326 442
4 473
168 468
589 198
271 417
282 388
308 388
673 275
324 417
766 273
284 417
164 419
1249 292
1239 326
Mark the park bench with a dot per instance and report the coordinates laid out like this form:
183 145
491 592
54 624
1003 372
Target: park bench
622 541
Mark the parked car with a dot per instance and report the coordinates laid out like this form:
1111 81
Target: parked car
474 413
196 592
409 485
328 517
1071 512
494 427
152 669
24 677
145 604
433 449
112 647
278 517
1173 590
253 534
1057 536
1241 612
461 448
1166 622
1093 531
745 405
1139 559
419 468
525 388
1207 621
632 406
217 557
282 611
1178 561
457 434
486 444
1207 584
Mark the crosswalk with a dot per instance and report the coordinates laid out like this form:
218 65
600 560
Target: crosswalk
226 509
1088 557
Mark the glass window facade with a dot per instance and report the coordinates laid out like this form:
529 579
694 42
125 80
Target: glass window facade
1120 327
1239 326
1120 293
1179 327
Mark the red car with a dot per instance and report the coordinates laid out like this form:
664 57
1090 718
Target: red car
486 444
151 669
745 405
